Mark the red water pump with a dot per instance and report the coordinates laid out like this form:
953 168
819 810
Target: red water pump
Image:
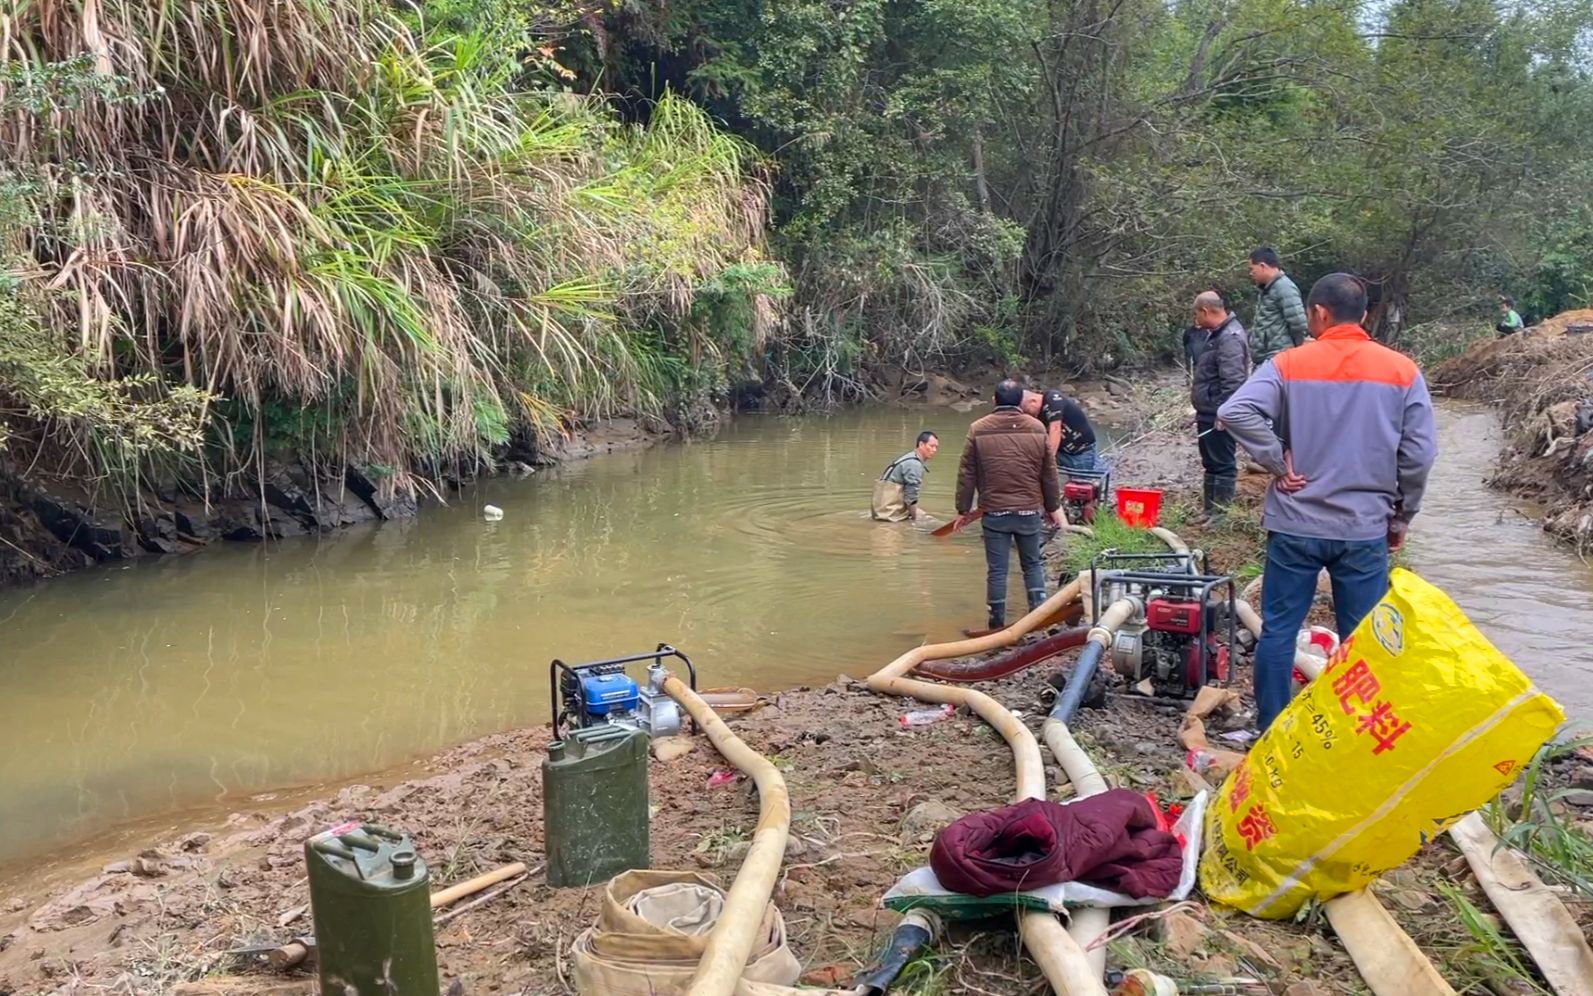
1082 492
1180 641
1184 652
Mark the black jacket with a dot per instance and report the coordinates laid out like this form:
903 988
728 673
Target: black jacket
1220 361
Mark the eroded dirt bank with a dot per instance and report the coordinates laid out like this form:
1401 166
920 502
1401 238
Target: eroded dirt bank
51 525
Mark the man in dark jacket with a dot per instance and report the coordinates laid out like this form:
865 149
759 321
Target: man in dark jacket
1280 316
1008 462
1219 362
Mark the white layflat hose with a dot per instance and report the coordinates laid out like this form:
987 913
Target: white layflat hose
730 943
1059 956
1087 923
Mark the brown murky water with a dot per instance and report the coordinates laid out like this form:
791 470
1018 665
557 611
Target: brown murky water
1530 596
174 684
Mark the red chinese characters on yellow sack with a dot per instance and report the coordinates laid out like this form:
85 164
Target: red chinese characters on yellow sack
1415 721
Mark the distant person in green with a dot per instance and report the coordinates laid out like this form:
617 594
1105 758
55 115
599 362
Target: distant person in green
1509 319
1279 322
896 491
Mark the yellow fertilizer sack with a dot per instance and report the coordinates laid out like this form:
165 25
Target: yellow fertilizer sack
1414 722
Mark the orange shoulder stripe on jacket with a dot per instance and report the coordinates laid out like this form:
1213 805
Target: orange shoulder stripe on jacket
1347 360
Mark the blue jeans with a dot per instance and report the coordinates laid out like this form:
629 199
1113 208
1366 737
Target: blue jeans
1001 530
1077 461
1359 571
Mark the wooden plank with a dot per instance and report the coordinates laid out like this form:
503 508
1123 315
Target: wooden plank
1386 957
1535 914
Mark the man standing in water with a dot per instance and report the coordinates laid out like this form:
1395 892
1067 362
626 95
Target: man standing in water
1345 426
1011 466
896 491
1067 427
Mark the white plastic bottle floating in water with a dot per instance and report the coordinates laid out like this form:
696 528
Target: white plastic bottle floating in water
492 513
924 717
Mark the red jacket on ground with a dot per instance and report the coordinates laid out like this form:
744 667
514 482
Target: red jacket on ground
1111 840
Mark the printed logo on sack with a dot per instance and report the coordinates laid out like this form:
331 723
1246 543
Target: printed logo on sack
1389 628
1505 767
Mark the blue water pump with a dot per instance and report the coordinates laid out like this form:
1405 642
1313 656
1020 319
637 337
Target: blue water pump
600 693
608 695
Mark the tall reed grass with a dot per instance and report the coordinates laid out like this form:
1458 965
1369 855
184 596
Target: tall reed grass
316 205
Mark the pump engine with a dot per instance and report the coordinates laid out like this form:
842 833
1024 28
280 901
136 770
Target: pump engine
1083 491
600 693
1180 639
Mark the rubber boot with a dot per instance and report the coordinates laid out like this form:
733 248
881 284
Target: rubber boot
1036 599
1222 491
1207 491
998 616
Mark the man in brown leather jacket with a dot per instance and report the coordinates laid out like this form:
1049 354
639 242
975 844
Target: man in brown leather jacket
1008 462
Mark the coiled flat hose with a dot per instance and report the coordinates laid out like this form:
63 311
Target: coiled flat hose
730 943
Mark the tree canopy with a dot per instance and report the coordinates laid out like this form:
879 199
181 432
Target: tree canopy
398 234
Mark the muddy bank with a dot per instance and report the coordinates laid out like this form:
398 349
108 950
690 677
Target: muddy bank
1542 382
49 525
867 798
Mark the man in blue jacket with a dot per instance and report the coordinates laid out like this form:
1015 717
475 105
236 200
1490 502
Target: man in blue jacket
1346 427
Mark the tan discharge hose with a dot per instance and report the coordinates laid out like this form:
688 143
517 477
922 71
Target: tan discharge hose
1087 922
1250 619
1059 955
730 944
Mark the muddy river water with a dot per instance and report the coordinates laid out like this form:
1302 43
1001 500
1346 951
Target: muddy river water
177 683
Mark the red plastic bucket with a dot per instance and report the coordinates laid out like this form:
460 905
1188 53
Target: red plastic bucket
1139 507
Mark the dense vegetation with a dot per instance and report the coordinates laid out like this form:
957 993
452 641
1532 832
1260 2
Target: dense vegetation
319 226
397 234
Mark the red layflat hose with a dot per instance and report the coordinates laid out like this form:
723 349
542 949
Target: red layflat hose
965 672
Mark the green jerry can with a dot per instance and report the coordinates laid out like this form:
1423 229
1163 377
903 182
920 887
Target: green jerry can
370 894
595 805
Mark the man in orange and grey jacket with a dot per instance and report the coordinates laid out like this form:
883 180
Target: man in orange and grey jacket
1350 442
1009 463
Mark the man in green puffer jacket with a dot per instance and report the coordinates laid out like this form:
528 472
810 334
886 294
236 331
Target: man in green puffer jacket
1279 321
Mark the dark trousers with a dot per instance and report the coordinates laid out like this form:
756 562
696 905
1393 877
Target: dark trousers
1359 571
1219 452
1001 531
